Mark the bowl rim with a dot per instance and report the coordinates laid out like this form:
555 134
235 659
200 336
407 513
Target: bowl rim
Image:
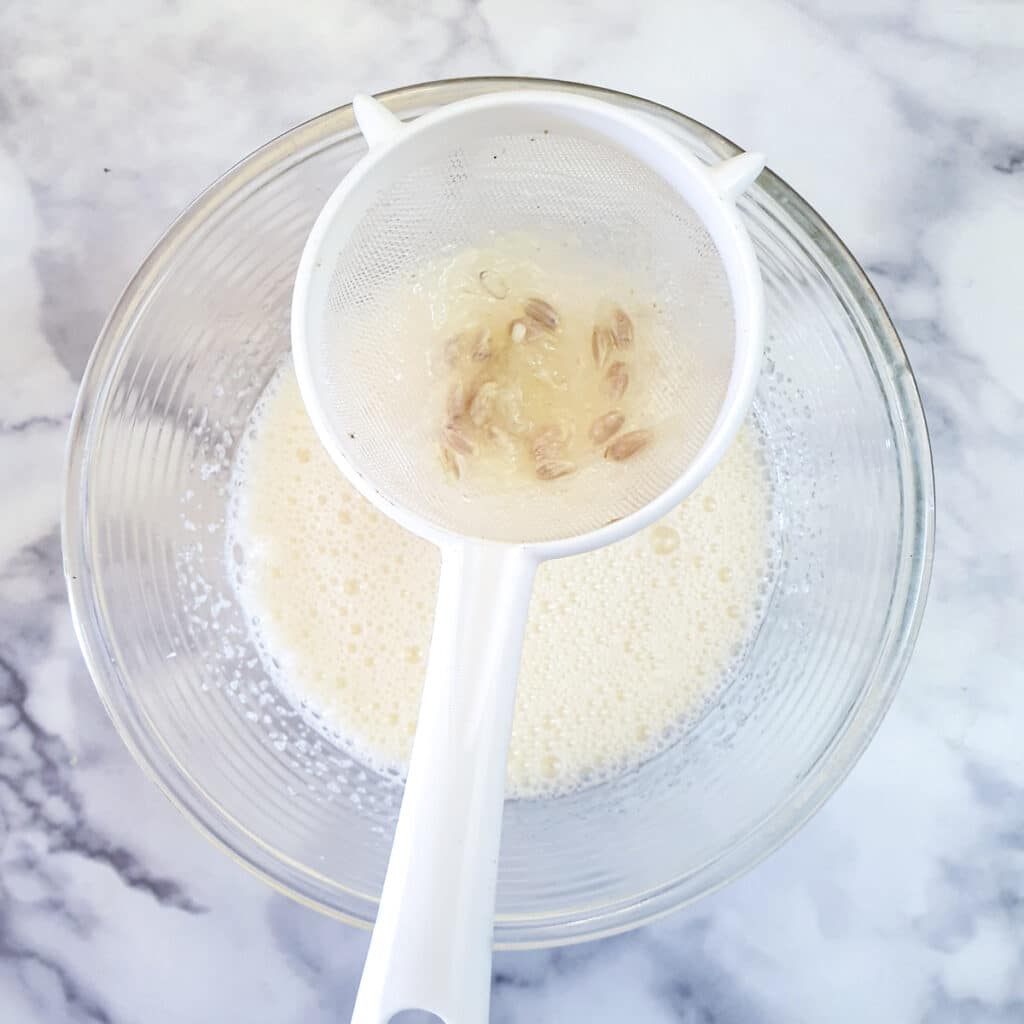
576 924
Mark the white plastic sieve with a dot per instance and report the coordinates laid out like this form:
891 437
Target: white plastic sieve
552 164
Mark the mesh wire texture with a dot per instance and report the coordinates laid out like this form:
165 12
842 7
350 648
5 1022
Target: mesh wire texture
552 185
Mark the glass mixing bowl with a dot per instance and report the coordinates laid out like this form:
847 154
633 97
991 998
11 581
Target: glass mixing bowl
163 406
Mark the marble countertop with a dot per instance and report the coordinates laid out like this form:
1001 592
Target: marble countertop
903 900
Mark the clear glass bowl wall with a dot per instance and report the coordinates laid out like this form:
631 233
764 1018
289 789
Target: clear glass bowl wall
164 405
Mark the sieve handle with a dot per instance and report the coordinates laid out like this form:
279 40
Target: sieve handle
431 945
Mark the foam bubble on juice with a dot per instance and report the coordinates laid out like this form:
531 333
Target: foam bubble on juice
625 646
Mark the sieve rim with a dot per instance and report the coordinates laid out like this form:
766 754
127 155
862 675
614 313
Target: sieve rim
681 170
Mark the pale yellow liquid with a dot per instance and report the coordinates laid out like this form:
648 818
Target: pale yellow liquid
550 378
625 646
497 487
